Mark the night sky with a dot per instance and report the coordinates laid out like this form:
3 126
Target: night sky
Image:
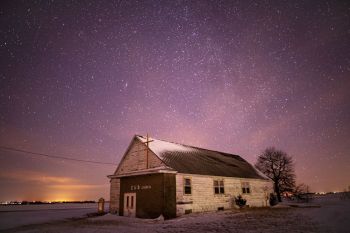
80 78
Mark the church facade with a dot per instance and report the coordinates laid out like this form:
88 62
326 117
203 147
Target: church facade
157 177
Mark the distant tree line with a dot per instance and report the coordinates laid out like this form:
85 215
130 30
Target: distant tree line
44 202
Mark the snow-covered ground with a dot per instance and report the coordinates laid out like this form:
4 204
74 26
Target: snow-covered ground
323 214
333 214
12 216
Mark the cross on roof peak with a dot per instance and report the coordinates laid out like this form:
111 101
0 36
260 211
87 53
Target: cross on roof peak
148 139
147 149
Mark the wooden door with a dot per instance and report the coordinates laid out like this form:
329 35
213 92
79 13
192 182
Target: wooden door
129 204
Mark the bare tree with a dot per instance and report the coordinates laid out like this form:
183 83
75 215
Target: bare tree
279 167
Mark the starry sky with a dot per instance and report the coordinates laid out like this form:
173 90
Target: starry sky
80 78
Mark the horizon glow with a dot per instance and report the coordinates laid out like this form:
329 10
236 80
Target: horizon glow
79 79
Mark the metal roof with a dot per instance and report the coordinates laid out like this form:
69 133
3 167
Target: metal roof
195 160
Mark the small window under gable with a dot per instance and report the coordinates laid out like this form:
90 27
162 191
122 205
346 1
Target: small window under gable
245 187
219 187
187 186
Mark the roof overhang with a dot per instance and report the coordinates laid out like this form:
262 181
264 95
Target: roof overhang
144 172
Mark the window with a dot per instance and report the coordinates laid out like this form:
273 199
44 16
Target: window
219 187
245 187
187 186
188 211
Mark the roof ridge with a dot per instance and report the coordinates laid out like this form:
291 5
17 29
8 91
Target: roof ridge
195 147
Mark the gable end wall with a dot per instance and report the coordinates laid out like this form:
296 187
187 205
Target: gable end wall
135 159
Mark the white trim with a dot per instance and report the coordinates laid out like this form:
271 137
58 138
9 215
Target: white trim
222 177
144 172
124 155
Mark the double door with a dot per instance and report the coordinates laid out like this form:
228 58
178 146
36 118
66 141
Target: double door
130 204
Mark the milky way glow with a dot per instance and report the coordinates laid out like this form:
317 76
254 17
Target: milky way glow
80 78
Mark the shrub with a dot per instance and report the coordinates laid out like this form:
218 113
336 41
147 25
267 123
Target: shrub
273 199
240 201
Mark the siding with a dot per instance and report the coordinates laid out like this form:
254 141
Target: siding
135 159
204 199
114 195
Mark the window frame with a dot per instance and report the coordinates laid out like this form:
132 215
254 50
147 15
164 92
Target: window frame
220 187
185 185
246 188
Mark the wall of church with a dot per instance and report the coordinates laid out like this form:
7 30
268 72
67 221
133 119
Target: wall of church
114 195
154 193
203 197
135 159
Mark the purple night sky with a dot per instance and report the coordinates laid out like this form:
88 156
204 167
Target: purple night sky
80 78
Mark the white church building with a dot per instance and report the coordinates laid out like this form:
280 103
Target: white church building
157 177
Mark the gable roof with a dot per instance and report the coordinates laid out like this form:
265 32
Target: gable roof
195 160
